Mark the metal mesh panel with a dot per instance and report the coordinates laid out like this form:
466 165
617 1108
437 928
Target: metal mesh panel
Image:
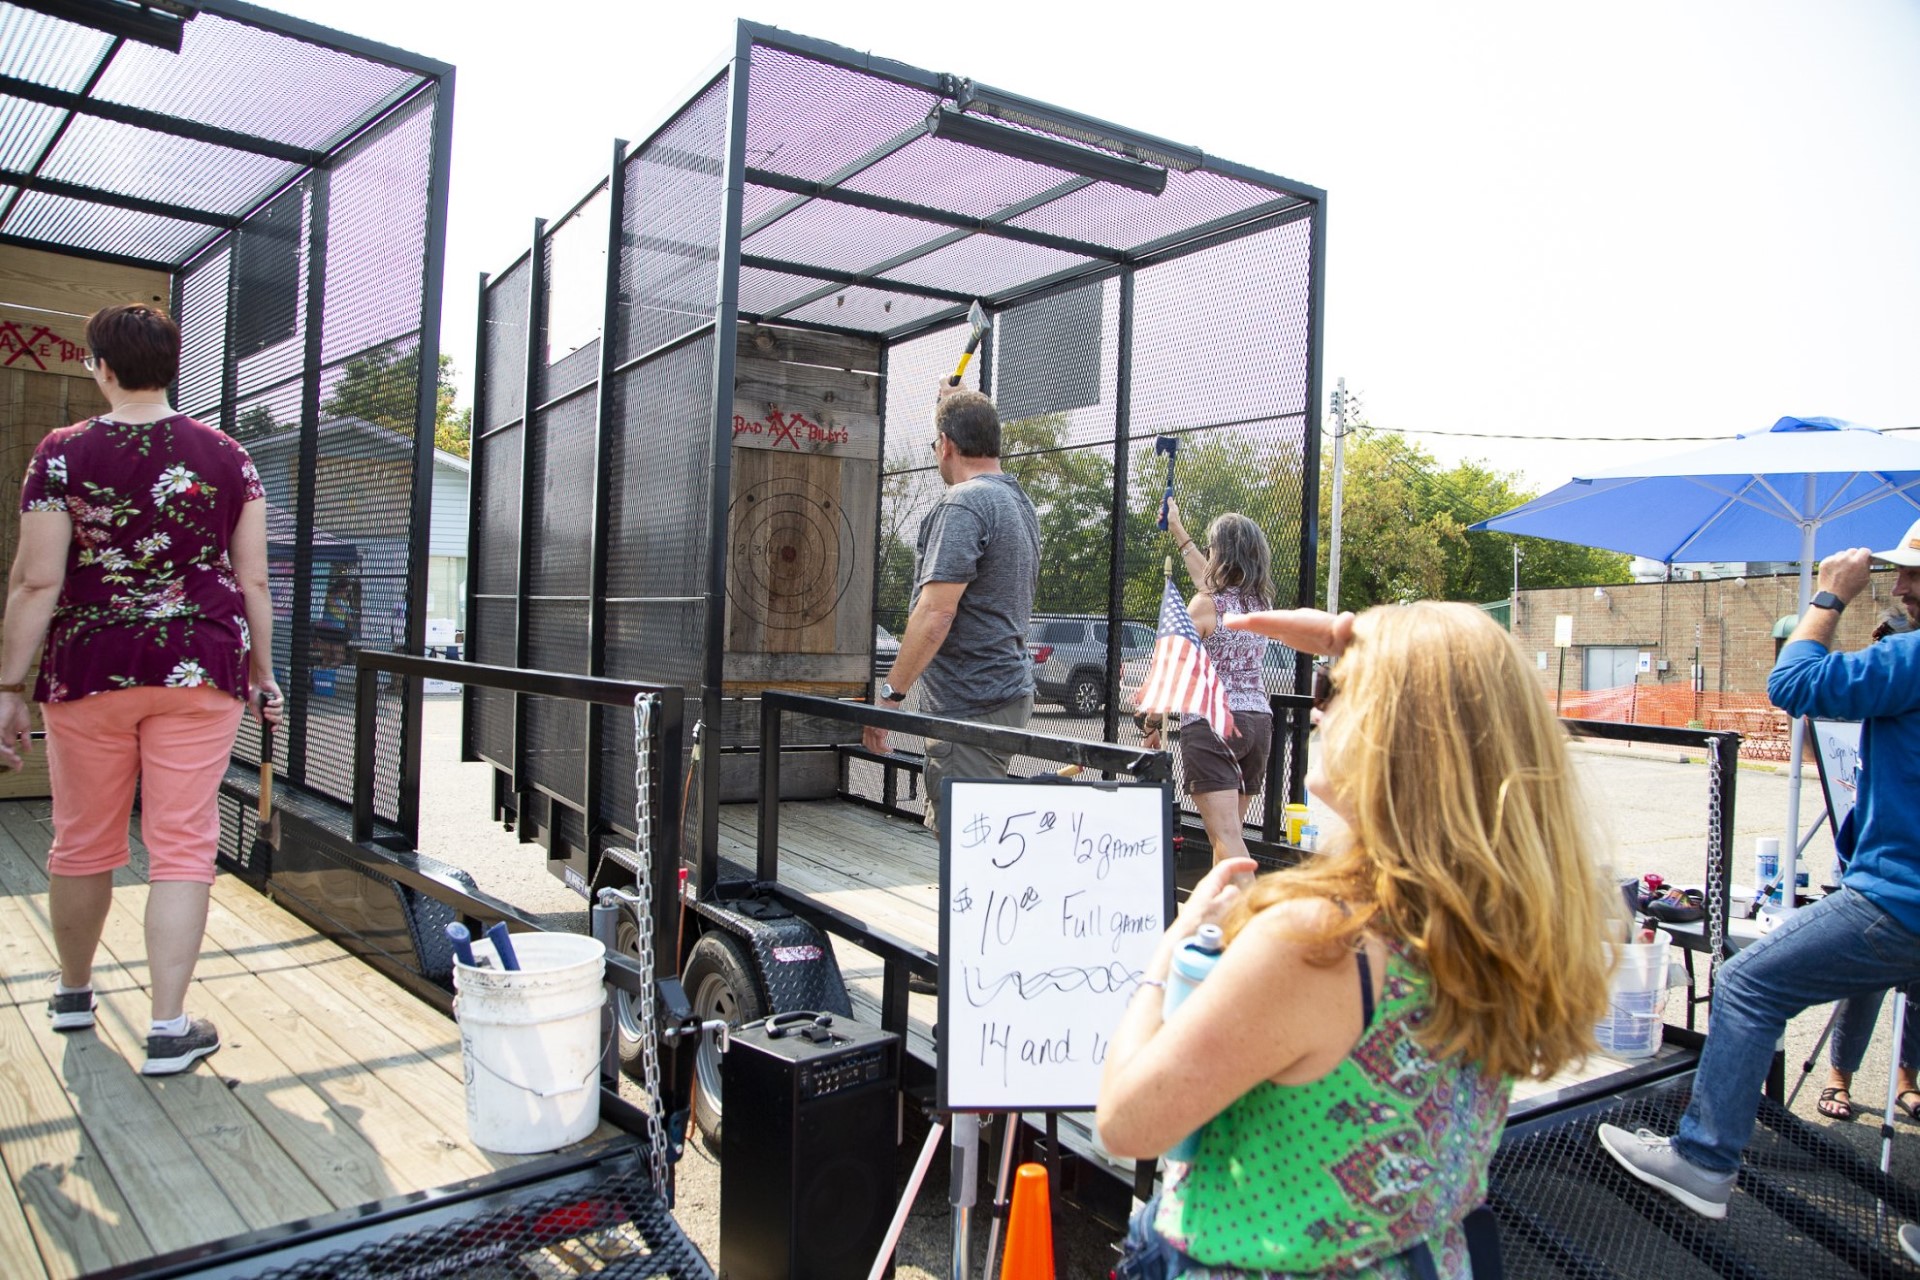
268 426
81 224
761 290
60 55
874 310
556 741
240 77
929 163
670 229
183 171
841 237
662 641
1806 1205
1221 335
203 334
609 1224
490 640
25 128
1124 218
559 491
981 264
270 302
810 119
504 350
363 501
377 235
498 552
661 445
576 280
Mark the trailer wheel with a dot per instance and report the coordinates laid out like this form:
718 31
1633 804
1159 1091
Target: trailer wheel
720 983
626 1012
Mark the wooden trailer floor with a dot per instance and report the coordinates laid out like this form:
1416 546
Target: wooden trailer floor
333 1087
886 872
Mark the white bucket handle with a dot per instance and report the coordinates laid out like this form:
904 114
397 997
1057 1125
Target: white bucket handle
538 1093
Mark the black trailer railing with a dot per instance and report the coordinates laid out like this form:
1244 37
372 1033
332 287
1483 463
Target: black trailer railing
478 908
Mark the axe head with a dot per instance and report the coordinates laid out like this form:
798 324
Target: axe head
978 318
1168 445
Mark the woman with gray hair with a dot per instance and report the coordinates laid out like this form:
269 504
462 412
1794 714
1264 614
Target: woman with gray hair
1234 574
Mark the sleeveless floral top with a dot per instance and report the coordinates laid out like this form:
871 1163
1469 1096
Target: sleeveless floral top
1236 655
150 597
1342 1175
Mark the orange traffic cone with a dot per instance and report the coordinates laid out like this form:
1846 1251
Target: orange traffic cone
1029 1254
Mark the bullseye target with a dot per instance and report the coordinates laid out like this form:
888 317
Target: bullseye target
791 558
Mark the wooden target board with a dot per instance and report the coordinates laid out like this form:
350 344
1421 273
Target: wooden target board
800 515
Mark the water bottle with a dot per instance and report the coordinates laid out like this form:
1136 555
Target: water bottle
1310 838
1191 964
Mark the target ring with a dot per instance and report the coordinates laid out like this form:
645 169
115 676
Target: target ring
791 557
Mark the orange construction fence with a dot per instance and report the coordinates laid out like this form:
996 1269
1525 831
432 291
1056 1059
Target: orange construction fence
1763 727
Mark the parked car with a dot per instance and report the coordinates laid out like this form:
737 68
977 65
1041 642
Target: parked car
1070 657
885 650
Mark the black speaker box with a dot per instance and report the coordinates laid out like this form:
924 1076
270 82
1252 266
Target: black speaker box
808 1154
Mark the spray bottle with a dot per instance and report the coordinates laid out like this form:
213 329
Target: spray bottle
1191 964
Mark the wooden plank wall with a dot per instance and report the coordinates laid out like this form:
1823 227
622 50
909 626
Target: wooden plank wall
806 458
45 299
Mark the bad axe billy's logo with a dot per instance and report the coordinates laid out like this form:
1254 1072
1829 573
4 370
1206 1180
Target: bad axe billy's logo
788 430
41 348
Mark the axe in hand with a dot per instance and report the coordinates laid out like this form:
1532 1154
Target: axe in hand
981 322
1169 445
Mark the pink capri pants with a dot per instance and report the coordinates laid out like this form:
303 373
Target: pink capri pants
175 742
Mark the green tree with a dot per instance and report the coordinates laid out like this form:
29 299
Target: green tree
381 386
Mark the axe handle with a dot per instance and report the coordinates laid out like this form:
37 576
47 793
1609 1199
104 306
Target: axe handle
966 357
266 765
1169 495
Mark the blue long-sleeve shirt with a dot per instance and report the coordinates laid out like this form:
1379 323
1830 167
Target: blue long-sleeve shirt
1880 687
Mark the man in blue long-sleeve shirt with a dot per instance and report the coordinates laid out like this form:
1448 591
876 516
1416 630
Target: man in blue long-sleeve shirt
1863 939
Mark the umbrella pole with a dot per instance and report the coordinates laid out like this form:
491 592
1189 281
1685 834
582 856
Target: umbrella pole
1797 736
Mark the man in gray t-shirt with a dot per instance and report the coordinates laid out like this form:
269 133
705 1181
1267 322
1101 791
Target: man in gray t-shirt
975 568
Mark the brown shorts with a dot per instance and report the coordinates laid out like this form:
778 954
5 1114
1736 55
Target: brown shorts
1239 764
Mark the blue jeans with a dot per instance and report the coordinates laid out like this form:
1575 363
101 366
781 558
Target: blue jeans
1145 1254
1841 946
1853 1031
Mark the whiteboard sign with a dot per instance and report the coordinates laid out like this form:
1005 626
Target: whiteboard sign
1838 742
1563 631
1053 896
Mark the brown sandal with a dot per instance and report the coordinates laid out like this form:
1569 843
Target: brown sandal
1836 1103
1911 1108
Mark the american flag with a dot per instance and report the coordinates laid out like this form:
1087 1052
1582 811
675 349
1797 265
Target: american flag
1182 679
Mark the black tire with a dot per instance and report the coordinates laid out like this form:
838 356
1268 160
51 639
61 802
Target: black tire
1087 694
626 1013
721 983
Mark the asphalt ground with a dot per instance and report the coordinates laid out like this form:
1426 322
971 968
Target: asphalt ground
1649 805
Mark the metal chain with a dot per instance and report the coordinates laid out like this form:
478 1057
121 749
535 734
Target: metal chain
643 909
1716 885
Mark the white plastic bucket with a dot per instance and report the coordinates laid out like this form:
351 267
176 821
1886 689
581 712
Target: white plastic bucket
1632 1027
530 1042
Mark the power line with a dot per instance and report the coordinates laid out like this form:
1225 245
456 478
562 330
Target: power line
1494 435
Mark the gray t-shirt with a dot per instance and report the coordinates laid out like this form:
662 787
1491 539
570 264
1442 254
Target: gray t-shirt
982 532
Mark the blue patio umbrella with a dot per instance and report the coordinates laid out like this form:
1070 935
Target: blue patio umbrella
1804 489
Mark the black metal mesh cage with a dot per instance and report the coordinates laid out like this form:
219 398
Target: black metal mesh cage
1119 315
302 336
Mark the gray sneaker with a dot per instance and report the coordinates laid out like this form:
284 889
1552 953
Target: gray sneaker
71 1010
1651 1158
169 1055
1910 1241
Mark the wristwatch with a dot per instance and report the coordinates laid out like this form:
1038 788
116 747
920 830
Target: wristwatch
1828 600
890 694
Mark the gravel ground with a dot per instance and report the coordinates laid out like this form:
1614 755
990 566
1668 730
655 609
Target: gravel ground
1650 805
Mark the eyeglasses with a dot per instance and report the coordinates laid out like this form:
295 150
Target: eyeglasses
934 444
1323 689
90 363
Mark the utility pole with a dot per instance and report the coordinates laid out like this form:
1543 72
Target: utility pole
1339 457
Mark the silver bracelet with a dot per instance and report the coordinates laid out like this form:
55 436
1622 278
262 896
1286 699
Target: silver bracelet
1140 983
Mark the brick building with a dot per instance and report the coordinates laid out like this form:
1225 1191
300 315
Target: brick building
1635 644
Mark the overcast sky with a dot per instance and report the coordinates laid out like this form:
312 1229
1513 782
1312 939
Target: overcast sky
1635 219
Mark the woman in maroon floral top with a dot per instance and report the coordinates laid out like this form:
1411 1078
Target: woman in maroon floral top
143 569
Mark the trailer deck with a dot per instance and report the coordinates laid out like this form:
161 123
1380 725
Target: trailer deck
333 1088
